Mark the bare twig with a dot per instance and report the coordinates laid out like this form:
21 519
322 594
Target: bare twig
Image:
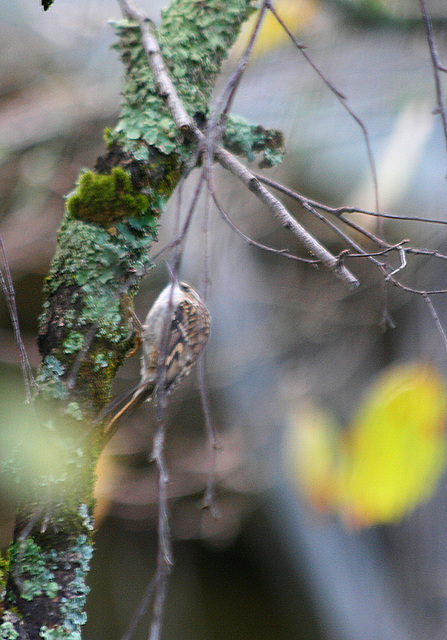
10 297
437 67
164 553
427 252
254 243
420 292
209 499
225 100
340 97
228 161
338 211
206 244
139 613
436 319
165 87
373 254
159 600
403 263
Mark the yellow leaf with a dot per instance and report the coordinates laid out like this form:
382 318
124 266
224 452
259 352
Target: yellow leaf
395 452
388 461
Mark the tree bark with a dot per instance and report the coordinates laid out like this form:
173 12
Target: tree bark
86 328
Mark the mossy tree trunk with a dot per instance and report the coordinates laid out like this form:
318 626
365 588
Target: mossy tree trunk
86 325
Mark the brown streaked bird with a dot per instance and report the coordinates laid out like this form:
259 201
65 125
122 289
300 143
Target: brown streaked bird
188 332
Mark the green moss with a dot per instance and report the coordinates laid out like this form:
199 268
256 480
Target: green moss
4 567
102 199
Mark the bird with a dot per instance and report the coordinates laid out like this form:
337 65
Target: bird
173 335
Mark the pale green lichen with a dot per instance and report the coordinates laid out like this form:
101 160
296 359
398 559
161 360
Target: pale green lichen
90 268
34 564
7 631
74 342
245 139
49 377
38 571
58 633
101 360
74 410
86 517
72 607
194 39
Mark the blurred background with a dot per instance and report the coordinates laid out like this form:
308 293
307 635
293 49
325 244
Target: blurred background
294 358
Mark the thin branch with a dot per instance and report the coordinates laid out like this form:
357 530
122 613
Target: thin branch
226 97
10 296
349 241
403 263
189 216
337 211
427 252
254 243
164 552
364 254
206 243
420 292
436 319
164 84
340 97
228 161
139 613
364 232
159 600
209 499
437 67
